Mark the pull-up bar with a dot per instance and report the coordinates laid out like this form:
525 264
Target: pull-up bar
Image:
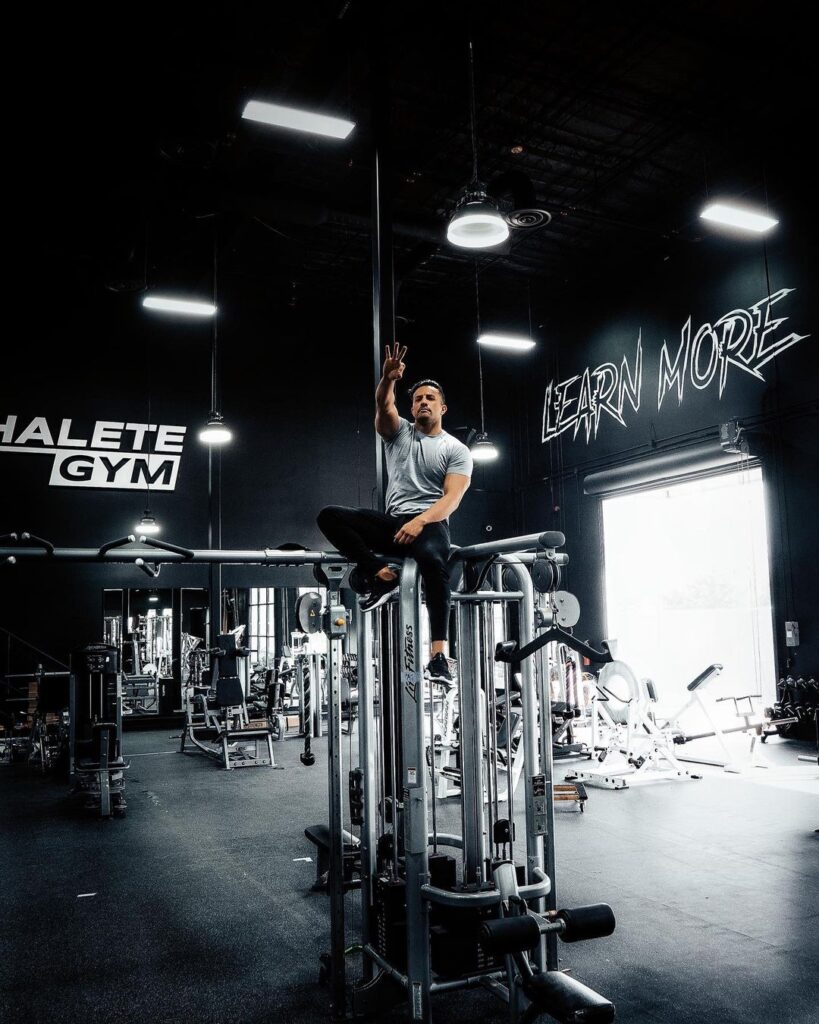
126 550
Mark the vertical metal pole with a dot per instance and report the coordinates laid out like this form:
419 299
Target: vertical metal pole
215 541
531 748
471 752
391 733
334 768
382 279
413 783
72 721
366 760
547 767
315 693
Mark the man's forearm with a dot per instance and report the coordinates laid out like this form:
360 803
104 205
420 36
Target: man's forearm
385 395
441 510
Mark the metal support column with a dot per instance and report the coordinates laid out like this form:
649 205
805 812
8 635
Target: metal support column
367 762
534 764
337 630
471 747
383 288
413 784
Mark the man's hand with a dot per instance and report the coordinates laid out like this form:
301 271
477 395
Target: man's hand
393 365
410 531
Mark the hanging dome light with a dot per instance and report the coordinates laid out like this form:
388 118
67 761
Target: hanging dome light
147 524
482 449
215 431
476 222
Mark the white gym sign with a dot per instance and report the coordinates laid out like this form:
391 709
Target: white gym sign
740 340
110 455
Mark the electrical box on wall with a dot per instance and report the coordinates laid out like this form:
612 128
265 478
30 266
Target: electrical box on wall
791 634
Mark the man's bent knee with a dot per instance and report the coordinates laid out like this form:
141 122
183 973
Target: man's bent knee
328 515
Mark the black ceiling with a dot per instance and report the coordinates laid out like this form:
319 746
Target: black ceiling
626 116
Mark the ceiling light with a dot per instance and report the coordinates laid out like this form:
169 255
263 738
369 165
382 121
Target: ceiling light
215 431
298 120
182 306
482 449
738 217
147 524
510 342
153 598
476 222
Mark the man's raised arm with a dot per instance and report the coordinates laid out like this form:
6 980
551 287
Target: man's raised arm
386 413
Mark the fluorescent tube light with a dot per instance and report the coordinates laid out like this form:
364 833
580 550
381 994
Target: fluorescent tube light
298 120
510 342
738 217
185 307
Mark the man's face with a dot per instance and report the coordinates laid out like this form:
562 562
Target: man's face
427 406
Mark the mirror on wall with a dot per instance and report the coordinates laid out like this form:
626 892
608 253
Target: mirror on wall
153 628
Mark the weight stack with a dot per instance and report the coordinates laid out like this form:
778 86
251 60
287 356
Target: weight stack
390 920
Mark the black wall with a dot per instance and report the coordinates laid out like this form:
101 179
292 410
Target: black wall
297 390
704 281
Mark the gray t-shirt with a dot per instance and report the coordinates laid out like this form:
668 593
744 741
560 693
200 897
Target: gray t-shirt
417 465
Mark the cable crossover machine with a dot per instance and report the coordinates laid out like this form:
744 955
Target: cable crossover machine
483 914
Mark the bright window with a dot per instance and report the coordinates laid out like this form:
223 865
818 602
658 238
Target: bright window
262 633
687 584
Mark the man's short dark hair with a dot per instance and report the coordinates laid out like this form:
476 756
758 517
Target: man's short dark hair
432 384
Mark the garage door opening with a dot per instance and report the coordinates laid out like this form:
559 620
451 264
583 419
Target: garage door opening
687 584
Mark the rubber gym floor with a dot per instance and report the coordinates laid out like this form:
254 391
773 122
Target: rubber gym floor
198 905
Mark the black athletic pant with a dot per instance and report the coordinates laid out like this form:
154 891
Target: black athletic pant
359 532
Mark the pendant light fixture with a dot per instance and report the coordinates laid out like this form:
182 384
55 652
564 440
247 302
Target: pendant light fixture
481 447
215 431
476 222
147 524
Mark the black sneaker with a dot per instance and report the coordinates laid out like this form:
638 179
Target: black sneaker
359 581
438 669
380 591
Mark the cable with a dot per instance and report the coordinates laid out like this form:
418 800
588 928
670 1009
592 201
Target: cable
480 361
472 110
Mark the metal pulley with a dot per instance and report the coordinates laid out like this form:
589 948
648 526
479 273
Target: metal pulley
561 609
566 608
545 575
308 612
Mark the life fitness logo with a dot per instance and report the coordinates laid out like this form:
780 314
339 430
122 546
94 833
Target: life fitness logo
119 455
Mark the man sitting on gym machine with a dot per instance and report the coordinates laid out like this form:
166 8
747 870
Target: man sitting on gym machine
429 472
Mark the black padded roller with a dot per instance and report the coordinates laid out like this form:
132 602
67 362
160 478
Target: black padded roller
592 922
510 934
552 539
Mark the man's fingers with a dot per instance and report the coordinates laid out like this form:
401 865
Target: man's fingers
402 353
